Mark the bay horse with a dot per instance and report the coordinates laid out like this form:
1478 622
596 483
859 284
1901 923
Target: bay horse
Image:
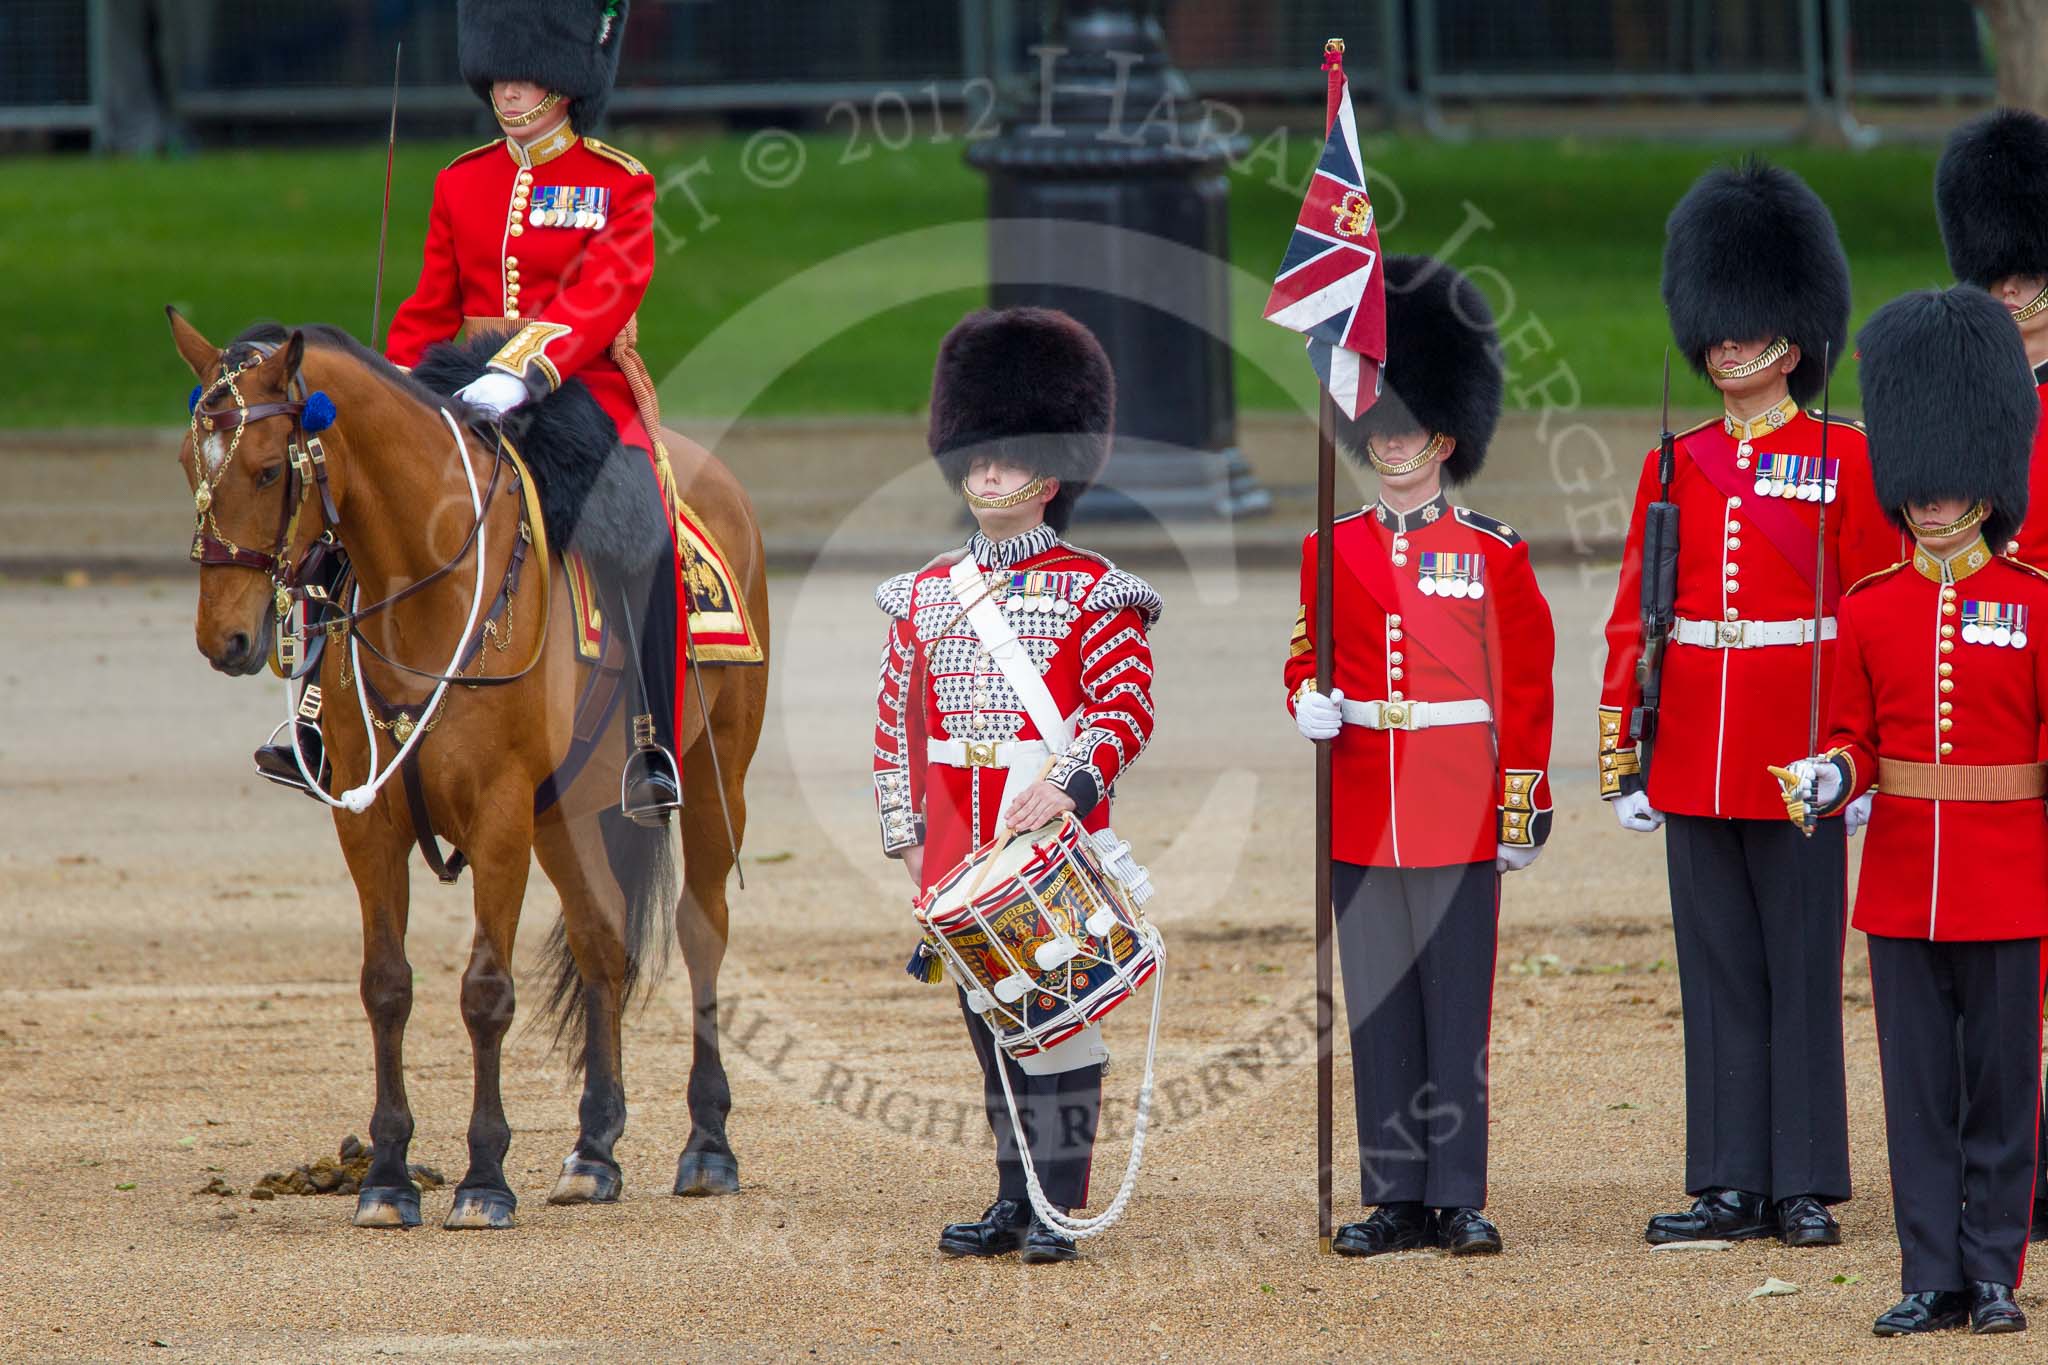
431 518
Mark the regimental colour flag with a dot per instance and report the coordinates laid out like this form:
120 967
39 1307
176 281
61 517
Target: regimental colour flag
1330 286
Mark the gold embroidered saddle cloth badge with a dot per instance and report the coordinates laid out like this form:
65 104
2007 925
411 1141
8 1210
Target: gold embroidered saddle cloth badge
718 614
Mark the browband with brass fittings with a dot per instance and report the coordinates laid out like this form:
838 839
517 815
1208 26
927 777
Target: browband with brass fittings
1962 781
1770 356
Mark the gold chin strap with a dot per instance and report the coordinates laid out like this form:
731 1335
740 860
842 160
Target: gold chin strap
1772 354
2033 307
1006 501
1429 452
1978 511
531 116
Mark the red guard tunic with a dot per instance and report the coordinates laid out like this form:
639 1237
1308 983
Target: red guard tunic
1433 607
1738 672
941 697
2030 542
554 242
1950 674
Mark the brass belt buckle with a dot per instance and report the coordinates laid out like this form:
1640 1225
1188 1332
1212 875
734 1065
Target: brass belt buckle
1394 715
1731 632
981 753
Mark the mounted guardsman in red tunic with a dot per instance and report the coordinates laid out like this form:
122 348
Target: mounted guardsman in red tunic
543 242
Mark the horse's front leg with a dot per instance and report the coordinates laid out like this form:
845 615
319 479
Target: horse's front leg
376 856
500 863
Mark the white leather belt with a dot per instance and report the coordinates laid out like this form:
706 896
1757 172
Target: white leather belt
1749 634
990 753
1415 715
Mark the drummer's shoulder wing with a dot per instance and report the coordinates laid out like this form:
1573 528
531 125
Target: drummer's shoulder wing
1117 588
894 595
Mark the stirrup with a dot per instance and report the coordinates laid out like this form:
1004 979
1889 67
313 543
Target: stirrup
650 763
285 772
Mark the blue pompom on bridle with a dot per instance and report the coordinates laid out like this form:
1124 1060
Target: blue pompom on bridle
319 413
192 403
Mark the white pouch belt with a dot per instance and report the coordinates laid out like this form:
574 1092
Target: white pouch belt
1749 634
1415 715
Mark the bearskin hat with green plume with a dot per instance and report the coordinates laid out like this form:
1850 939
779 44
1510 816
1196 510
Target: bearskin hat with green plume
568 46
1029 387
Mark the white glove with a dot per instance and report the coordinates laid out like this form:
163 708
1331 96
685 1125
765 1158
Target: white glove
1514 857
1634 811
1318 716
495 392
1822 778
1858 813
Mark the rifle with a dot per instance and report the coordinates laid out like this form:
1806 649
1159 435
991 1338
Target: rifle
1660 586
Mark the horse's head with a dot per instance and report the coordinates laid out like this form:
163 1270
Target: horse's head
245 463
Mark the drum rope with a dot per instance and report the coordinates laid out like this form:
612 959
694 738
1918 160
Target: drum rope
1083 1228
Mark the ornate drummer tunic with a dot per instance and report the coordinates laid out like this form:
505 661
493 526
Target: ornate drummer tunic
949 724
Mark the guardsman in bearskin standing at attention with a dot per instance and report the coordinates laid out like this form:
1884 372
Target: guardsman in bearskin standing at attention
545 238
1991 189
1023 404
1441 707
1940 695
1757 289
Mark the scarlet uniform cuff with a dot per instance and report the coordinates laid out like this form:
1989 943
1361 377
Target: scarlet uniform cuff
1621 767
902 827
1522 824
525 357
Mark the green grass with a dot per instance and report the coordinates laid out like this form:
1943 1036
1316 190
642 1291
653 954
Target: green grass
893 250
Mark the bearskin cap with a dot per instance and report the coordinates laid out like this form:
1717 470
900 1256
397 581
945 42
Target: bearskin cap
1751 251
1949 404
1991 194
1028 386
568 46
1443 372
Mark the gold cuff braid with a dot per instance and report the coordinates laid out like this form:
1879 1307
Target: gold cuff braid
1618 758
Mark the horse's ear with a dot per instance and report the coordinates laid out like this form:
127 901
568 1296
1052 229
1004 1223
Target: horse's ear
292 353
201 354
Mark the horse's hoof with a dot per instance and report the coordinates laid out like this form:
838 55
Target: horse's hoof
388 1206
707 1173
585 1181
481 1210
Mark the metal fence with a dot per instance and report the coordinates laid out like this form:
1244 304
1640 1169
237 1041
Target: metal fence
105 66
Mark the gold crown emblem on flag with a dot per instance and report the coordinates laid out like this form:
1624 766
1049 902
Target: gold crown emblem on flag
1353 214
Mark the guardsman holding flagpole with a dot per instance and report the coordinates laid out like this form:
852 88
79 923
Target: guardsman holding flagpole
1757 289
1440 710
1940 696
1991 190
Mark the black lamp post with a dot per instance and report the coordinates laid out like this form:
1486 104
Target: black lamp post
1108 198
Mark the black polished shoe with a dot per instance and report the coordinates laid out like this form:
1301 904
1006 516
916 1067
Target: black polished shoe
1716 1216
1804 1221
1930 1310
1392 1227
648 791
1000 1231
1467 1232
1993 1310
276 763
2039 1231
1043 1245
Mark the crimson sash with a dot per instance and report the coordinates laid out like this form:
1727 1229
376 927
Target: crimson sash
1455 635
1787 531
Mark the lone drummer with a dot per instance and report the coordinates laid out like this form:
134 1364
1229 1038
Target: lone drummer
1023 403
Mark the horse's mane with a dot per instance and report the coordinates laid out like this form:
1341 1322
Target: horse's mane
327 337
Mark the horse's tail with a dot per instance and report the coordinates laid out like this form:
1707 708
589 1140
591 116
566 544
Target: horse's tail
643 863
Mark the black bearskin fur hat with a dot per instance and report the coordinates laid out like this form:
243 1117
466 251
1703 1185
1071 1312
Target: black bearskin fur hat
1991 194
1949 404
1443 369
1750 252
1028 386
553 43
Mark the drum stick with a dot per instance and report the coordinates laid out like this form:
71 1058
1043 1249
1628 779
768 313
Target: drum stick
1002 842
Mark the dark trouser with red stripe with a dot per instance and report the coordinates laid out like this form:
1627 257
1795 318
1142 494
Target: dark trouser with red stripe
1960 1122
1417 945
1760 912
1060 1114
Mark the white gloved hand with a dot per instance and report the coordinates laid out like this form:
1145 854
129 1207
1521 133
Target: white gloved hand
1858 813
1634 811
1514 857
1823 779
1318 716
494 392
